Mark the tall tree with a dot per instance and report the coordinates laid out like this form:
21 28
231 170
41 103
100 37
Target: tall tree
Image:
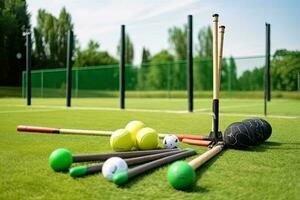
146 56
225 76
160 71
204 48
178 43
232 74
144 69
14 20
285 67
252 79
177 40
203 61
129 50
92 56
51 39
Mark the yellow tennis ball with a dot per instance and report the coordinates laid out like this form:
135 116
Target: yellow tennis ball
133 127
147 138
120 140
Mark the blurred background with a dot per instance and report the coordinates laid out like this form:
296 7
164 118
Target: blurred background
156 47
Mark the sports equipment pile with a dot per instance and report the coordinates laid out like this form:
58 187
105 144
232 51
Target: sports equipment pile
137 144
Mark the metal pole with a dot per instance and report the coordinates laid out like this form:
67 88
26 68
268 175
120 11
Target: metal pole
298 88
28 67
267 65
69 68
190 63
76 82
42 84
122 68
268 49
229 78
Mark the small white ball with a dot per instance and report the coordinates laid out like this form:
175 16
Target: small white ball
171 141
112 166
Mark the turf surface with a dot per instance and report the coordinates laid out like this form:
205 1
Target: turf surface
270 171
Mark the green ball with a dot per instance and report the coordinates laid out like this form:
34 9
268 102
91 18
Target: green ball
181 175
60 160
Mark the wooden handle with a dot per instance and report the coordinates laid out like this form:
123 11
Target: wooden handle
85 132
194 137
220 53
38 129
204 143
200 160
215 57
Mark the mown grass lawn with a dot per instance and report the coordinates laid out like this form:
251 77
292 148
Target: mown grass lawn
270 171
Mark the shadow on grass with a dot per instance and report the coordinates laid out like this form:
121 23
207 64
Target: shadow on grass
270 145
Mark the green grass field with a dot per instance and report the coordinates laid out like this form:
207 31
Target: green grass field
270 171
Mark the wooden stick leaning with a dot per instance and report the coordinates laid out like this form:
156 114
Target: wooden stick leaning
220 52
215 105
48 130
181 175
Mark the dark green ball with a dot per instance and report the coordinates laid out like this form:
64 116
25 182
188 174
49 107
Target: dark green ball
181 175
60 160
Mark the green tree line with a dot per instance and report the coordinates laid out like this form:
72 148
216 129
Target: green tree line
160 71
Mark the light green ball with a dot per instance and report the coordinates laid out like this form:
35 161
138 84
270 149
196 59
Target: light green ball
133 127
60 160
181 175
121 140
146 139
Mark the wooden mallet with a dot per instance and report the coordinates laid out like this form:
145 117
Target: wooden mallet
121 177
61 159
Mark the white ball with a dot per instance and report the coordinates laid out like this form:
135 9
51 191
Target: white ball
171 141
113 165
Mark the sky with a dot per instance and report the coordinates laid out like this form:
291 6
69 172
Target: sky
147 22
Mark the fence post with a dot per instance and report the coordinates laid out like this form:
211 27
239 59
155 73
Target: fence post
122 68
28 67
69 68
268 49
42 83
298 80
76 83
190 63
267 90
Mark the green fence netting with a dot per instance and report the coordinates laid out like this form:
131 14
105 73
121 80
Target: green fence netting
149 78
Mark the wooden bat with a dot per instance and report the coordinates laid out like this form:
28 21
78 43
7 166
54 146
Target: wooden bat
48 130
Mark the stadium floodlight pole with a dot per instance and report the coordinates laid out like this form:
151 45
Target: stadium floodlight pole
122 68
190 79
28 67
69 68
268 49
216 82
